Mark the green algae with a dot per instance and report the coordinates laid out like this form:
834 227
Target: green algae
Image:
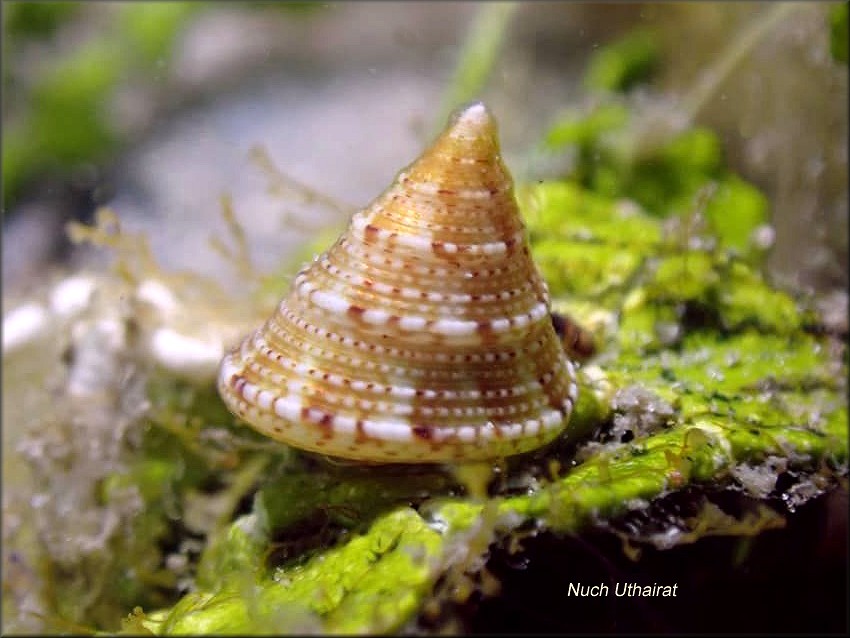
838 32
372 583
78 87
619 155
36 19
574 127
623 63
594 252
734 211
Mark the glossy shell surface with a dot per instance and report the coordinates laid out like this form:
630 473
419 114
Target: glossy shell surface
423 334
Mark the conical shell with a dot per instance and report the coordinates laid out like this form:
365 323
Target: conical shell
423 334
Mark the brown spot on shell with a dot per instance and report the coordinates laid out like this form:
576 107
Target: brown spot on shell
360 430
238 382
424 432
325 420
371 232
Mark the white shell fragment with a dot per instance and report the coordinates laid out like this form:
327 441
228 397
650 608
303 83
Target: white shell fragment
72 295
158 295
23 324
423 334
183 354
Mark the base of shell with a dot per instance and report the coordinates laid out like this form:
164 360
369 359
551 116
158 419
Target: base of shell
287 419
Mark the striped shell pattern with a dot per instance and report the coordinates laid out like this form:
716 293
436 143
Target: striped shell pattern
423 334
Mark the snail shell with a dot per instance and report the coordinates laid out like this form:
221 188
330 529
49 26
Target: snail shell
423 334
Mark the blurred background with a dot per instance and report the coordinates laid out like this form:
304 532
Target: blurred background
153 109
298 113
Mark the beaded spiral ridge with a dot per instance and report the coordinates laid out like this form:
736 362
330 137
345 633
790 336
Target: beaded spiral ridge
423 333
